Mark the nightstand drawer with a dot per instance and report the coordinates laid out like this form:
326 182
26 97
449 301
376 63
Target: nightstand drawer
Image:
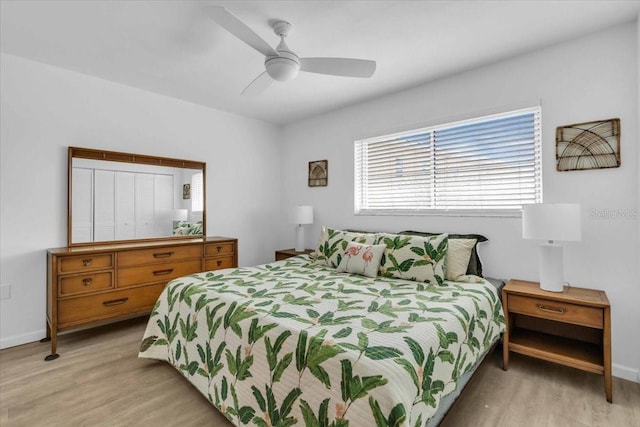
561 311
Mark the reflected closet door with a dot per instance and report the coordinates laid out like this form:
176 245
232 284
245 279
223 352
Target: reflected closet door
125 206
104 205
82 205
163 204
144 206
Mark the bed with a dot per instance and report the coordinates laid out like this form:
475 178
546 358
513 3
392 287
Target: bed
298 342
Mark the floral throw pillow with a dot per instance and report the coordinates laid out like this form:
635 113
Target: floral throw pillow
361 259
333 243
417 258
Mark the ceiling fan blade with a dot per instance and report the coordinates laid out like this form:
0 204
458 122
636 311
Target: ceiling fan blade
258 85
347 67
229 22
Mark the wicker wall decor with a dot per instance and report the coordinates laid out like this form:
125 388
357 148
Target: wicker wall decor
318 173
591 145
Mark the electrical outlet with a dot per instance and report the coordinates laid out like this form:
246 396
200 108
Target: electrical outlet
5 291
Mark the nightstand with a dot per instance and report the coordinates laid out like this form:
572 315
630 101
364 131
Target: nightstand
288 253
572 328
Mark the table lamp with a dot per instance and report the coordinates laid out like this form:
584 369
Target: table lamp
302 215
551 222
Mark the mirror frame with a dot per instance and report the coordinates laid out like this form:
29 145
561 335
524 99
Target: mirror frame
116 156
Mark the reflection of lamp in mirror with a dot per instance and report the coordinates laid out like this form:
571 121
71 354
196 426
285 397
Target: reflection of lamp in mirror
552 222
302 215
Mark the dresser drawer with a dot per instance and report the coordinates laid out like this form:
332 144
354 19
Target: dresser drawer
218 249
108 304
218 263
74 264
85 283
131 276
561 311
160 254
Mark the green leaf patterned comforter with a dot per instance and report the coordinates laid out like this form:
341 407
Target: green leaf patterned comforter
295 343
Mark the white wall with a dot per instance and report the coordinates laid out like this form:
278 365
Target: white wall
592 78
637 262
46 109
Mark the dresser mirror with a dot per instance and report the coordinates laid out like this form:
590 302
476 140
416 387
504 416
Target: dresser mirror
123 197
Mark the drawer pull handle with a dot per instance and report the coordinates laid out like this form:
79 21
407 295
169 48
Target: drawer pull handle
162 272
115 302
86 262
219 248
554 310
219 263
86 282
163 255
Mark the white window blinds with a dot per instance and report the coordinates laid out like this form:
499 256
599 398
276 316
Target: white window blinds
488 164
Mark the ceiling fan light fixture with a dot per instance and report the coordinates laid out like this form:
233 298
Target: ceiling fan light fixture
281 68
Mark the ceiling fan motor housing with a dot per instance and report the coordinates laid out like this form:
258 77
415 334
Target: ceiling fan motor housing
284 67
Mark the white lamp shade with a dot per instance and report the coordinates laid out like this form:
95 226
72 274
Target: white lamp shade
551 221
303 215
180 214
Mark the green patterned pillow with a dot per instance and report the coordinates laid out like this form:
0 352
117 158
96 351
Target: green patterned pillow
475 265
333 243
196 228
417 258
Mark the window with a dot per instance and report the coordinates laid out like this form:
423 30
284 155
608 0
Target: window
488 165
197 193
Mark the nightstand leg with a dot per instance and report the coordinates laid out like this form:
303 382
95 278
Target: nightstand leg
505 355
505 350
607 355
505 335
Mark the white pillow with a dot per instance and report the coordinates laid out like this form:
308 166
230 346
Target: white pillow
458 255
361 259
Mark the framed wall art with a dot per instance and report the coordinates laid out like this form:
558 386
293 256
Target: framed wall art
318 173
590 145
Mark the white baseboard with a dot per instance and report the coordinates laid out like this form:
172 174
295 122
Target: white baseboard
15 340
625 373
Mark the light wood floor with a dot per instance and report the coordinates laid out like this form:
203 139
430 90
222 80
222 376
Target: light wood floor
99 381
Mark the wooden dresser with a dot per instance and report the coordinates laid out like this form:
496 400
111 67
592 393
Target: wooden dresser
91 285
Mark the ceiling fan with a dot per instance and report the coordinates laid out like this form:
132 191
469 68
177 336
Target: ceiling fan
281 63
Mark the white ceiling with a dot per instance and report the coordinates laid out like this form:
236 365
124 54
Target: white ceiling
172 48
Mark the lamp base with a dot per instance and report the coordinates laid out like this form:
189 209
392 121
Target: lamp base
299 238
551 273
